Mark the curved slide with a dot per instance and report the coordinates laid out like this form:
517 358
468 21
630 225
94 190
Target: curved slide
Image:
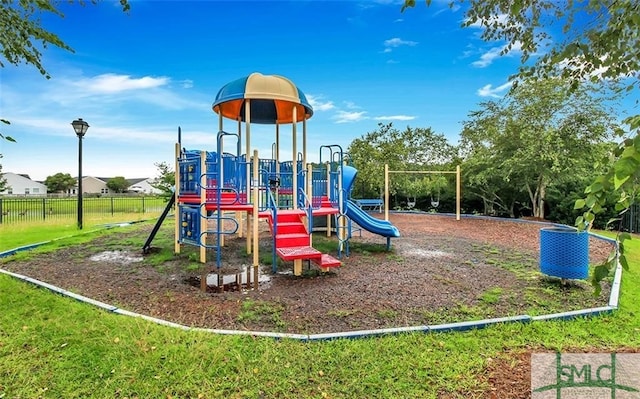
368 222
362 218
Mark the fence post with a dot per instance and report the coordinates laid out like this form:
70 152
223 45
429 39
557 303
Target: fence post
44 211
1 211
111 206
142 205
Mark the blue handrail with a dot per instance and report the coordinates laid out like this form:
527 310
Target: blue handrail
274 228
308 206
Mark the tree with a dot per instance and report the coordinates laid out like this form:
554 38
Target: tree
412 148
600 43
599 40
23 35
542 134
60 182
118 184
3 181
166 179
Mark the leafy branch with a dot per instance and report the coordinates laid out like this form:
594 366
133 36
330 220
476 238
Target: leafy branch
621 180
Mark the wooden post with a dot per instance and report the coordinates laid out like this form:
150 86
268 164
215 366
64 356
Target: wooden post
247 124
386 191
176 244
277 191
294 186
255 208
240 215
203 207
297 267
304 141
203 220
458 192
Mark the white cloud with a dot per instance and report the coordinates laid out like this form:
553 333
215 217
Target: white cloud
490 55
498 18
319 105
349 117
112 83
351 105
398 20
392 62
186 84
100 130
395 118
496 92
487 58
447 6
397 42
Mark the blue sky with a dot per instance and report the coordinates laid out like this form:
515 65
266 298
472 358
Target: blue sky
136 77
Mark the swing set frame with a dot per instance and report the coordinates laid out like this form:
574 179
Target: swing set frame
388 172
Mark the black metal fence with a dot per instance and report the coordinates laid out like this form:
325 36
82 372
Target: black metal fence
17 210
631 219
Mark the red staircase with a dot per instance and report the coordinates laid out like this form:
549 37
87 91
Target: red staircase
293 241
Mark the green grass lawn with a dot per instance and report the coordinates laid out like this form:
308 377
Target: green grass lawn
55 347
56 206
17 235
24 211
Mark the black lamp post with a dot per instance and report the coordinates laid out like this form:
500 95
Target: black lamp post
80 128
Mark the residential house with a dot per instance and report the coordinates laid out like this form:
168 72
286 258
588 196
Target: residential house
142 186
98 185
21 184
93 185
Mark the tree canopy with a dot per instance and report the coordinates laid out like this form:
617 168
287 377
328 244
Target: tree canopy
410 149
118 184
3 181
23 35
60 182
165 180
543 134
578 41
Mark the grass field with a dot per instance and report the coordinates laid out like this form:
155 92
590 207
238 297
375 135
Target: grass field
55 347
17 235
23 210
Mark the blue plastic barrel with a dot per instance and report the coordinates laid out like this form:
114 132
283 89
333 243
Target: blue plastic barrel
564 252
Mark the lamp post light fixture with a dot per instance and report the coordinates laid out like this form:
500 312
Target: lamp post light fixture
80 127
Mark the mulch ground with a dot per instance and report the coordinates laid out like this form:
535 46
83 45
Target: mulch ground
439 270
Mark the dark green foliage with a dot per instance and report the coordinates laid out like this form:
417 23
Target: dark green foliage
165 181
60 182
410 149
118 184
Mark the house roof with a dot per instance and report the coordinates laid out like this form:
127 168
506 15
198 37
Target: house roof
130 181
136 180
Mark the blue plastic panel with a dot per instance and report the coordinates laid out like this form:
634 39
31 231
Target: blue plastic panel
564 253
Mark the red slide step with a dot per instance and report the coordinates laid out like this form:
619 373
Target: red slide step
326 261
291 228
303 252
292 240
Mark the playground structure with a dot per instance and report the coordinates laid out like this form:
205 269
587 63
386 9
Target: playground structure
227 191
388 172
